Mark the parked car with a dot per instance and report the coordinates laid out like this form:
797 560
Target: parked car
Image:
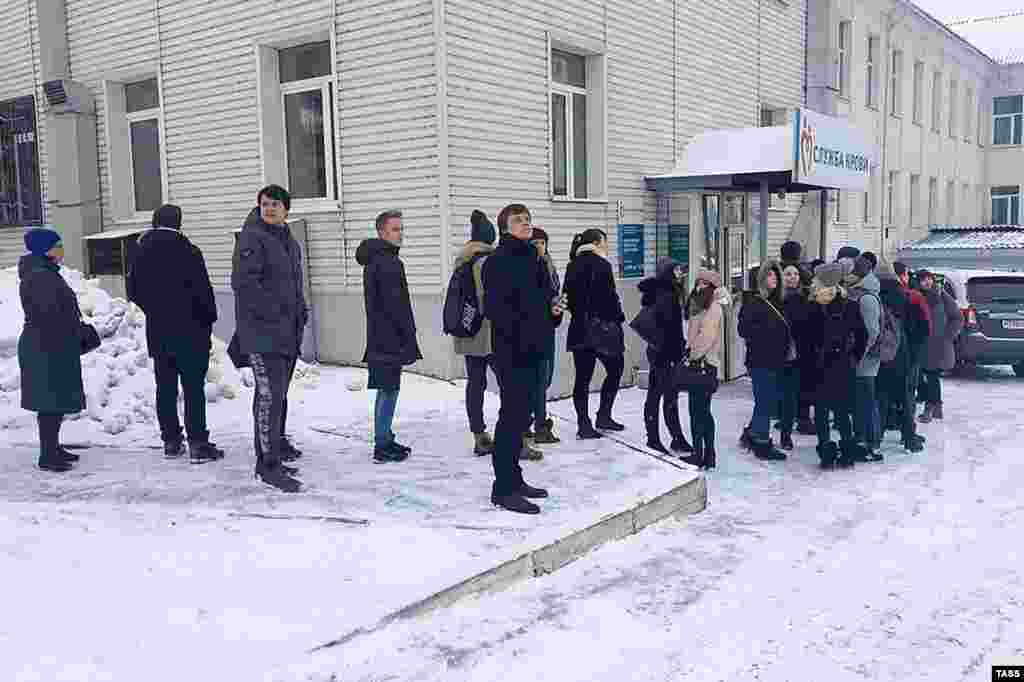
992 303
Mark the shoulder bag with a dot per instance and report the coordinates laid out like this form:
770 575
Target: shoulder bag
603 336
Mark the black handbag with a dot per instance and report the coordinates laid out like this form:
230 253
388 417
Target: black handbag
238 359
88 338
687 378
605 338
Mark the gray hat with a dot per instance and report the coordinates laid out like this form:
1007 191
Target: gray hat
829 274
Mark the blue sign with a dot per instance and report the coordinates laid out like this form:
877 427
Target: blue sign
631 251
679 244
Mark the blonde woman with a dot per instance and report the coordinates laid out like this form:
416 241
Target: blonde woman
704 331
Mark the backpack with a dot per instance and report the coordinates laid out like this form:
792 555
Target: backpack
887 345
462 315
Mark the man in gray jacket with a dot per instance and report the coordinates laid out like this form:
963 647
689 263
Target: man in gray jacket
271 314
865 289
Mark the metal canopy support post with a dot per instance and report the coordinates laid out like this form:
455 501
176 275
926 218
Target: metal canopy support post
823 211
763 224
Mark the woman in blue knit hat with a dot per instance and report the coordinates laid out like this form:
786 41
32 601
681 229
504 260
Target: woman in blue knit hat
49 349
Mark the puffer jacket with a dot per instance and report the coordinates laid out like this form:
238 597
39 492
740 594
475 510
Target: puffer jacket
482 344
762 323
390 325
661 294
838 340
867 293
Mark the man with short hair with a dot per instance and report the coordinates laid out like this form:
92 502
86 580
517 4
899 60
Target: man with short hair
169 281
518 303
390 329
271 314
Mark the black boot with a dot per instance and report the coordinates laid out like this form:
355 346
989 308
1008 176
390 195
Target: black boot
746 440
656 444
707 437
786 440
515 503
606 423
174 449
528 491
849 454
680 444
586 430
765 449
828 453
709 455
288 452
67 456
49 444
201 451
805 427
270 471
653 428
697 457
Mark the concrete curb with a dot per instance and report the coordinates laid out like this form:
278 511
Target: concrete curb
689 498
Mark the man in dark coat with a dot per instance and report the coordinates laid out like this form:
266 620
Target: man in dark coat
390 329
170 283
49 348
271 314
517 298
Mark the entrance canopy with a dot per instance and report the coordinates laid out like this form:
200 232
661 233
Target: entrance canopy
816 152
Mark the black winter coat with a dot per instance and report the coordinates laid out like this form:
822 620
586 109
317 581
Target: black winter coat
270 301
589 287
169 281
798 311
766 332
49 345
660 294
517 300
838 341
390 325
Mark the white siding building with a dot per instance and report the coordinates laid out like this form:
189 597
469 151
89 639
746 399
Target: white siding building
438 107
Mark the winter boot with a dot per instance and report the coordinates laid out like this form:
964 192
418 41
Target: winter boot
696 458
805 427
288 452
270 471
786 440
401 448
174 449
67 456
530 454
746 440
203 451
680 444
515 503
765 449
849 453
709 455
869 454
606 423
913 445
586 430
543 435
49 449
653 428
656 444
926 415
829 453
483 444
529 492
52 461
389 453
936 410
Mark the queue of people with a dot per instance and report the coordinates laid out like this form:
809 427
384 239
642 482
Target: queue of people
849 339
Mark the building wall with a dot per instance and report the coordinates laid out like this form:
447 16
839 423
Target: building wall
1006 164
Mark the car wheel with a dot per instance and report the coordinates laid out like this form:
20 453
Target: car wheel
1018 369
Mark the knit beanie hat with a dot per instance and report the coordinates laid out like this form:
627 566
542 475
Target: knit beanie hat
900 268
829 275
791 252
483 229
850 252
167 215
39 240
872 258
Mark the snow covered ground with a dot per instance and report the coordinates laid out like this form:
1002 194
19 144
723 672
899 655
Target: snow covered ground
909 569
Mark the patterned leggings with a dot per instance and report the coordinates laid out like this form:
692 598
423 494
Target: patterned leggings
273 375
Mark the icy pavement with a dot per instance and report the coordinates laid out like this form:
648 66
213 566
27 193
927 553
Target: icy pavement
133 567
910 569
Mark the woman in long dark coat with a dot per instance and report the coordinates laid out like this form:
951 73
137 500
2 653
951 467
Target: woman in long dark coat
49 349
590 291
796 309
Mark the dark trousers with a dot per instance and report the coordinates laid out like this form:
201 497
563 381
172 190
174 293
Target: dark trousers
586 361
191 369
476 386
767 393
890 388
545 374
865 412
660 389
933 385
49 433
840 411
273 374
790 403
702 422
909 399
517 380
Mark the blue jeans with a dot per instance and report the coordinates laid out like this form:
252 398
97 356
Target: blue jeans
383 415
865 413
767 394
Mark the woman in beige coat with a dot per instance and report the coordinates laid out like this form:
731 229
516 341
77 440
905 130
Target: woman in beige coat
704 334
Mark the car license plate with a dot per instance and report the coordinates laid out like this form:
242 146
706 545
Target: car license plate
1013 324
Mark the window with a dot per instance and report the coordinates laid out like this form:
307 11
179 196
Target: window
918 89
21 200
968 113
576 131
843 59
837 197
915 199
1006 205
953 103
933 200
135 143
936 101
965 203
297 123
871 96
950 202
895 81
891 196
1007 119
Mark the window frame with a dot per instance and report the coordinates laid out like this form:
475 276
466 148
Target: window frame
1016 123
890 214
937 102
968 113
933 200
38 199
871 71
1009 198
915 198
895 83
596 93
120 161
325 85
839 216
951 202
844 35
954 91
918 104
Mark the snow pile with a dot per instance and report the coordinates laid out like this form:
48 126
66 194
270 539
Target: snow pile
119 382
